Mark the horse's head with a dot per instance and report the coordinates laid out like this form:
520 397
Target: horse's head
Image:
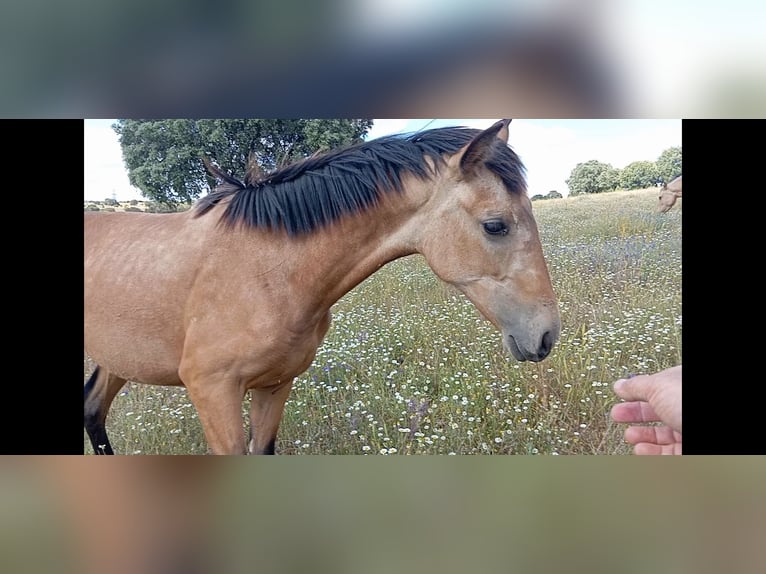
480 235
667 200
669 194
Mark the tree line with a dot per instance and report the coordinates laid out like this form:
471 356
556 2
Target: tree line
596 177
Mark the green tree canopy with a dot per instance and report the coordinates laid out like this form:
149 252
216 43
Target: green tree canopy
669 164
592 177
164 157
638 175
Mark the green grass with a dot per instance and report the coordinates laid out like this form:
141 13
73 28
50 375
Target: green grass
410 367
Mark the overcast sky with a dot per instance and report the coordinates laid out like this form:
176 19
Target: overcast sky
550 149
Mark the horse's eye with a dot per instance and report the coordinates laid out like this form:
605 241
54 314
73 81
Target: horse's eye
495 227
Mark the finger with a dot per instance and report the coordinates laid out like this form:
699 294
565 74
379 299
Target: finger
644 448
657 435
633 389
635 412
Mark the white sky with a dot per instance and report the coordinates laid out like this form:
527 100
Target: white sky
550 149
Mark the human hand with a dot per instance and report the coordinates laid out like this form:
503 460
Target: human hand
651 398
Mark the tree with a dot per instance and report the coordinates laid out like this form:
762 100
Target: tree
553 194
638 175
592 177
164 157
609 179
669 164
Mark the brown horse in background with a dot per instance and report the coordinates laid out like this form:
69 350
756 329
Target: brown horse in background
235 294
668 195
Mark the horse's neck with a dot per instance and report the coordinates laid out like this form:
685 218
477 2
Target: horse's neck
340 257
357 256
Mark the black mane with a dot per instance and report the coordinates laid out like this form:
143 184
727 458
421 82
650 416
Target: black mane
316 191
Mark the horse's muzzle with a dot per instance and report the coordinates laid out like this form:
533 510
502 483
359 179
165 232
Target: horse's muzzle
534 355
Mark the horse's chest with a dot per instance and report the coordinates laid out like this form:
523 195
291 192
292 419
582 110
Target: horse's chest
289 353
303 345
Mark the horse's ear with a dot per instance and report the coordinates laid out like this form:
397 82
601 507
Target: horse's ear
219 174
479 150
253 172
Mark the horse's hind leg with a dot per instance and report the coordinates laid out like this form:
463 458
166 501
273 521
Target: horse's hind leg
266 408
100 391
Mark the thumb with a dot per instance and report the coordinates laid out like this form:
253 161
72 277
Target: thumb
633 389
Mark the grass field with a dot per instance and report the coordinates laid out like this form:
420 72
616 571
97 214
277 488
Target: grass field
410 367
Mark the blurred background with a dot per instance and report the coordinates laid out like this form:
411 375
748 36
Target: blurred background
166 515
383 58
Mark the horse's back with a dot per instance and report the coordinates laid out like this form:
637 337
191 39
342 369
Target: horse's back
104 230
126 253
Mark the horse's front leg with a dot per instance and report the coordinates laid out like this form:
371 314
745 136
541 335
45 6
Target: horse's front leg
266 408
219 404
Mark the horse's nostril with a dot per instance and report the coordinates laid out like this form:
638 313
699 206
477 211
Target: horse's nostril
547 343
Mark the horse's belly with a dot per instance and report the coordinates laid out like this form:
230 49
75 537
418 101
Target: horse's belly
138 357
147 369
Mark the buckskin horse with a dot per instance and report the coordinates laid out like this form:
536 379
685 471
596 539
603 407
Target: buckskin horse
235 294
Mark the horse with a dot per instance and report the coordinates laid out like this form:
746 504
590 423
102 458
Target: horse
235 294
668 195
